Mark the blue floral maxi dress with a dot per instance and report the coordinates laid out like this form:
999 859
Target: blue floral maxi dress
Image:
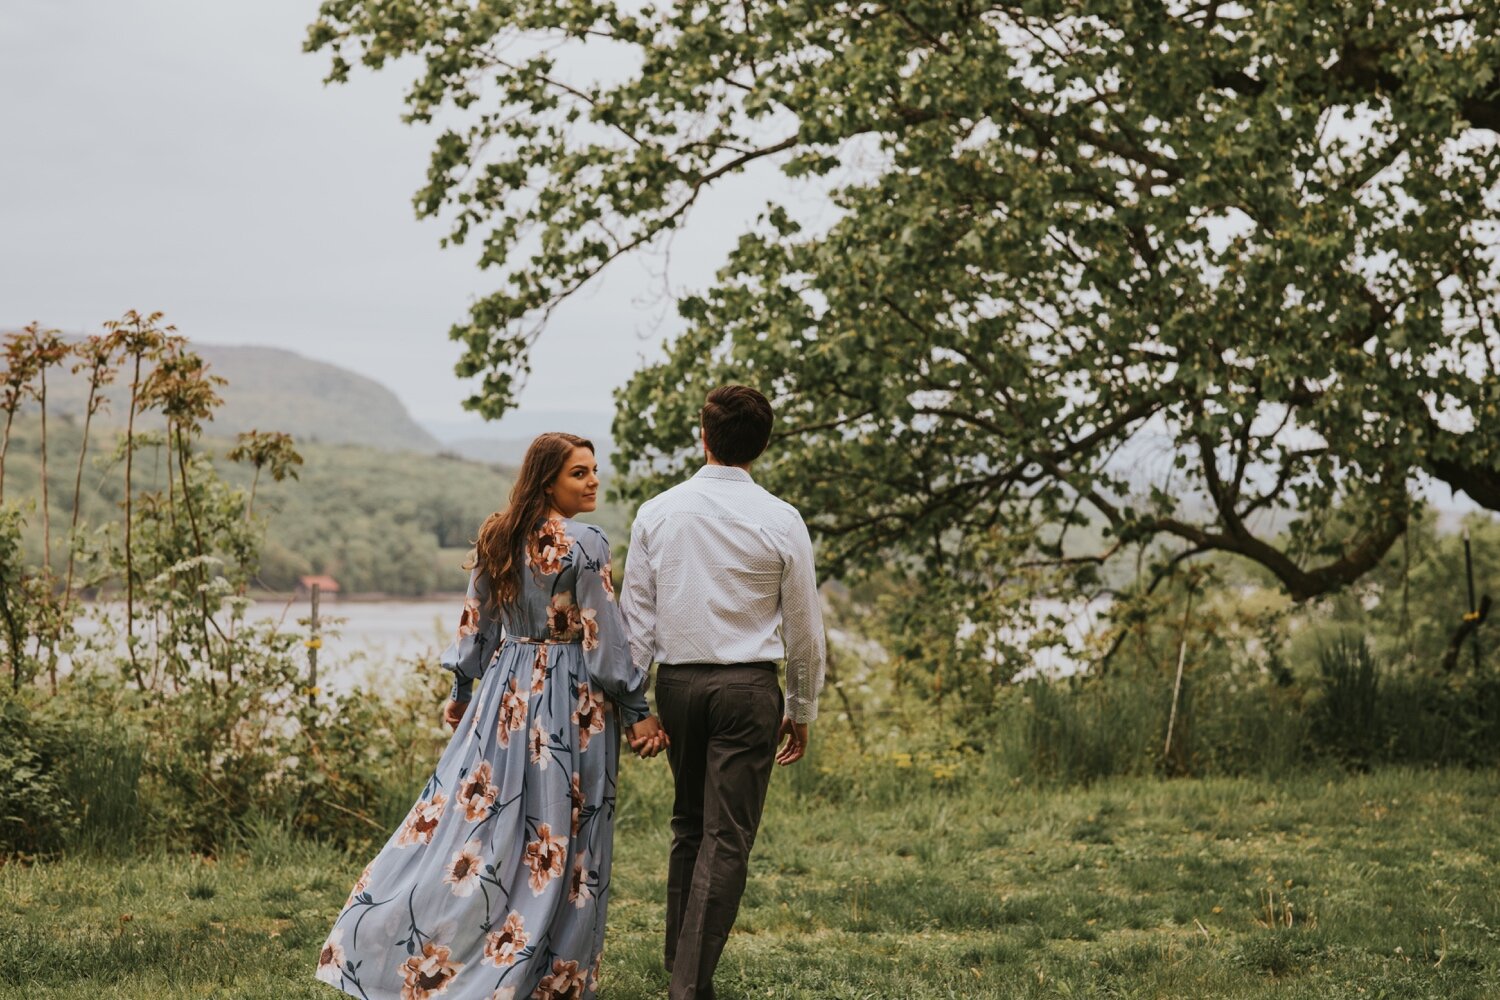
495 885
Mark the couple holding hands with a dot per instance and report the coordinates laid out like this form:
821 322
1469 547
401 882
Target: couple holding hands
495 886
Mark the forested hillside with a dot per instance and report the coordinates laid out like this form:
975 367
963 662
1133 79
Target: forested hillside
272 389
378 521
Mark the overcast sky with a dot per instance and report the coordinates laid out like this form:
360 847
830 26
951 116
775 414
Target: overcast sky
184 155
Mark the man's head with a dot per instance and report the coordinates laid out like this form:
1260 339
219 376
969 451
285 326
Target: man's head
736 424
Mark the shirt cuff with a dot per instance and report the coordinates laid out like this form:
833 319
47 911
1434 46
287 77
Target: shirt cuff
462 689
800 711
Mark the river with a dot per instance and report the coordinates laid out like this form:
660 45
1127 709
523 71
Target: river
367 642
363 641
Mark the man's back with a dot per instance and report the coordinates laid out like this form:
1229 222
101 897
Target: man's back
721 571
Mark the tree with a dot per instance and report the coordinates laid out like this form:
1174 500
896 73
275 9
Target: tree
138 339
1258 233
96 358
21 366
273 450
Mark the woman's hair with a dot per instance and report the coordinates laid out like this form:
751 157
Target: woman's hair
499 551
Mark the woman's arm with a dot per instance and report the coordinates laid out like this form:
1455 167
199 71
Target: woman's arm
475 641
606 649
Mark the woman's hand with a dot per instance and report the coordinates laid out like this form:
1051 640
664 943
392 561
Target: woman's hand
647 737
453 713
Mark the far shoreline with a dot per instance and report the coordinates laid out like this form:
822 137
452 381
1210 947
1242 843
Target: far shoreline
368 597
282 597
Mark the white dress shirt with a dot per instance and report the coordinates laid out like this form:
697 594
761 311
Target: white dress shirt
721 571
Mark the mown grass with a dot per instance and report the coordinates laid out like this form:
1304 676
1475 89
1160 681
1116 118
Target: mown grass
891 882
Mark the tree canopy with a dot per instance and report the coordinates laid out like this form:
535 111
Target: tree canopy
1259 234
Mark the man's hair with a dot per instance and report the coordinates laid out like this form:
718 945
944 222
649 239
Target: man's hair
736 424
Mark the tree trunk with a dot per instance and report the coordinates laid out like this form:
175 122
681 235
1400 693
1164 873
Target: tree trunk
135 667
46 507
83 449
187 503
10 417
13 640
250 504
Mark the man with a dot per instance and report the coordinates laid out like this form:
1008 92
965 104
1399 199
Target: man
719 585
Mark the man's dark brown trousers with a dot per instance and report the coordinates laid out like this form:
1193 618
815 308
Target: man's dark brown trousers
724 722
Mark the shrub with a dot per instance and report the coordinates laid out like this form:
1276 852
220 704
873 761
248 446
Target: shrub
1083 729
36 812
1345 720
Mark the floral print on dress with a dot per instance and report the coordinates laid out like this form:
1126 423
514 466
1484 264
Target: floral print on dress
549 547
544 856
539 670
496 884
563 621
463 870
579 891
512 715
468 622
565 983
421 823
588 716
360 884
331 958
536 747
589 622
476 794
575 793
502 946
428 974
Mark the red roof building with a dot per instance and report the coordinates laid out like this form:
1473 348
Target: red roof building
326 585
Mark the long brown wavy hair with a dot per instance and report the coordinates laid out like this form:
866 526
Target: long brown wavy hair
500 548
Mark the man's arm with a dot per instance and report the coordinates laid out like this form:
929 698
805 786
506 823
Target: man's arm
638 599
801 627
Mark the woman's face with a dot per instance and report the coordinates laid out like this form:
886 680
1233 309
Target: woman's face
576 488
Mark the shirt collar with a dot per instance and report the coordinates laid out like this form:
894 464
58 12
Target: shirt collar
727 472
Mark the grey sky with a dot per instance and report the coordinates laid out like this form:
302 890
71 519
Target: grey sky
184 155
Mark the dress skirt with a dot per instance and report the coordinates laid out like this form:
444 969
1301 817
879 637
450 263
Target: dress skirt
495 885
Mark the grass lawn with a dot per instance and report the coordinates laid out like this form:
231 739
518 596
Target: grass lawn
895 884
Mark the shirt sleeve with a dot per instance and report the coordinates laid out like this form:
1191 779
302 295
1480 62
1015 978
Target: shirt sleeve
638 599
475 641
801 626
606 649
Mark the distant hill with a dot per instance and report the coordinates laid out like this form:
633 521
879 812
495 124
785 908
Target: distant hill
504 441
272 389
500 451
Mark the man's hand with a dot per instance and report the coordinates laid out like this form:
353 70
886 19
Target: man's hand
796 742
647 737
453 713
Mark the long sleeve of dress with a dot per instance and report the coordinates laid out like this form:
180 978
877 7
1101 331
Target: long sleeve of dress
606 648
475 641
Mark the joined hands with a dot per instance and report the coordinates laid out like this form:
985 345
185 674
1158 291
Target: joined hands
647 738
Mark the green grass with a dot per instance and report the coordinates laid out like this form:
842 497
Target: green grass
893 883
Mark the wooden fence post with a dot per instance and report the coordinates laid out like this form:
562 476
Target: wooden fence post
1187 616
313 645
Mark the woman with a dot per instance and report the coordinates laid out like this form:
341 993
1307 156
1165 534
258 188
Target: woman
495 885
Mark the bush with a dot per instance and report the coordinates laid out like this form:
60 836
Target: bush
1354 714
1081 729
36 812
1346 718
